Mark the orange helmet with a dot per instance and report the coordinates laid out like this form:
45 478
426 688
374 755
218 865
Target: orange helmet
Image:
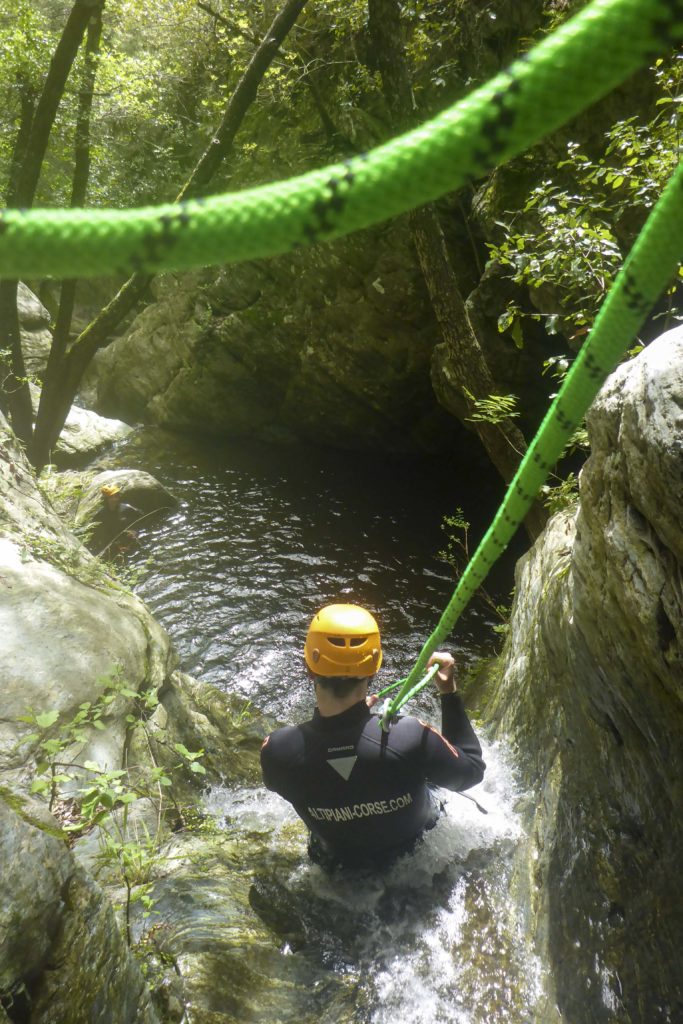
343 640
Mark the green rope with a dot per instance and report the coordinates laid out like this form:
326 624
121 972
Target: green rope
580 62
423 682
649 267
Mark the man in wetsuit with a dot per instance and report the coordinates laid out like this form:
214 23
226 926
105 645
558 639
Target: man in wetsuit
366 795
112 537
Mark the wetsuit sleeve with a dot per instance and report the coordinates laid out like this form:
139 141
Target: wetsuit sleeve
452 758
278 751
268 767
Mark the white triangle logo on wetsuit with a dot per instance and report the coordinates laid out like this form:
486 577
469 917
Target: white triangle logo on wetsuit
343 765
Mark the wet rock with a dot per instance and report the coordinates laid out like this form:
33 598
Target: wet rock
84 433
331 348
67 628
202 717
62 956
591 686
36 337
228 960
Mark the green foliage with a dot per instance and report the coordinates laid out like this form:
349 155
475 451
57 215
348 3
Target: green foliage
493 409
68 557
164 75
86 796
25 49
564 495
567 243
571 249
457 554
63 490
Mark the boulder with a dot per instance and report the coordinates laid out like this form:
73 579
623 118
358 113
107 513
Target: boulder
66 627
591 688
62 956
84 433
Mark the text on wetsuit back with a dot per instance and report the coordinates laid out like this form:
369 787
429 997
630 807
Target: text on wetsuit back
351 812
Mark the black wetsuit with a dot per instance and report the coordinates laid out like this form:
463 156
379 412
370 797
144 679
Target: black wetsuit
366 795
110 534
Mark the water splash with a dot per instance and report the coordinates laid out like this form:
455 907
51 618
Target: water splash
436 938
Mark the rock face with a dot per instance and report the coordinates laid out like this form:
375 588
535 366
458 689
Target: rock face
331 346
63 957
592 689
36 338
65 626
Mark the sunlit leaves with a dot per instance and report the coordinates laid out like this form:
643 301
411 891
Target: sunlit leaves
569 240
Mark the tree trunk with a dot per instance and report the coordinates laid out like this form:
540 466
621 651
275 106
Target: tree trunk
97 334
15 397
27 99
12 370
79 189
503 442
18 398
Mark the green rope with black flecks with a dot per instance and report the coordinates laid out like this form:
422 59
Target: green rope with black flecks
576 65
650 265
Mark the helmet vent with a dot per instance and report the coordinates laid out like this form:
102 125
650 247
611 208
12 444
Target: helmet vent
357 641
338 641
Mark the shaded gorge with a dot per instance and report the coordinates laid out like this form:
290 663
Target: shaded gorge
263 536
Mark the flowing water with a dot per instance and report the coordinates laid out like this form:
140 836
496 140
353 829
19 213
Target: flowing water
261 539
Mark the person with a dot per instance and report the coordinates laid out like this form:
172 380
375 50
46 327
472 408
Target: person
112 536
366 794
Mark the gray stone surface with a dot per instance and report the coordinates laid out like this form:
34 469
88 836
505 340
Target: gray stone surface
85 433
36 338
332 348
65 626
61 953
591 688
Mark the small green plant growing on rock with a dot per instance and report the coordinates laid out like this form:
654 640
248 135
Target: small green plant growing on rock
457 554
561 496
86 795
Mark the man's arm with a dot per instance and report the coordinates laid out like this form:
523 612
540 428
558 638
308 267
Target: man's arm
278 752
269 767
451 758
